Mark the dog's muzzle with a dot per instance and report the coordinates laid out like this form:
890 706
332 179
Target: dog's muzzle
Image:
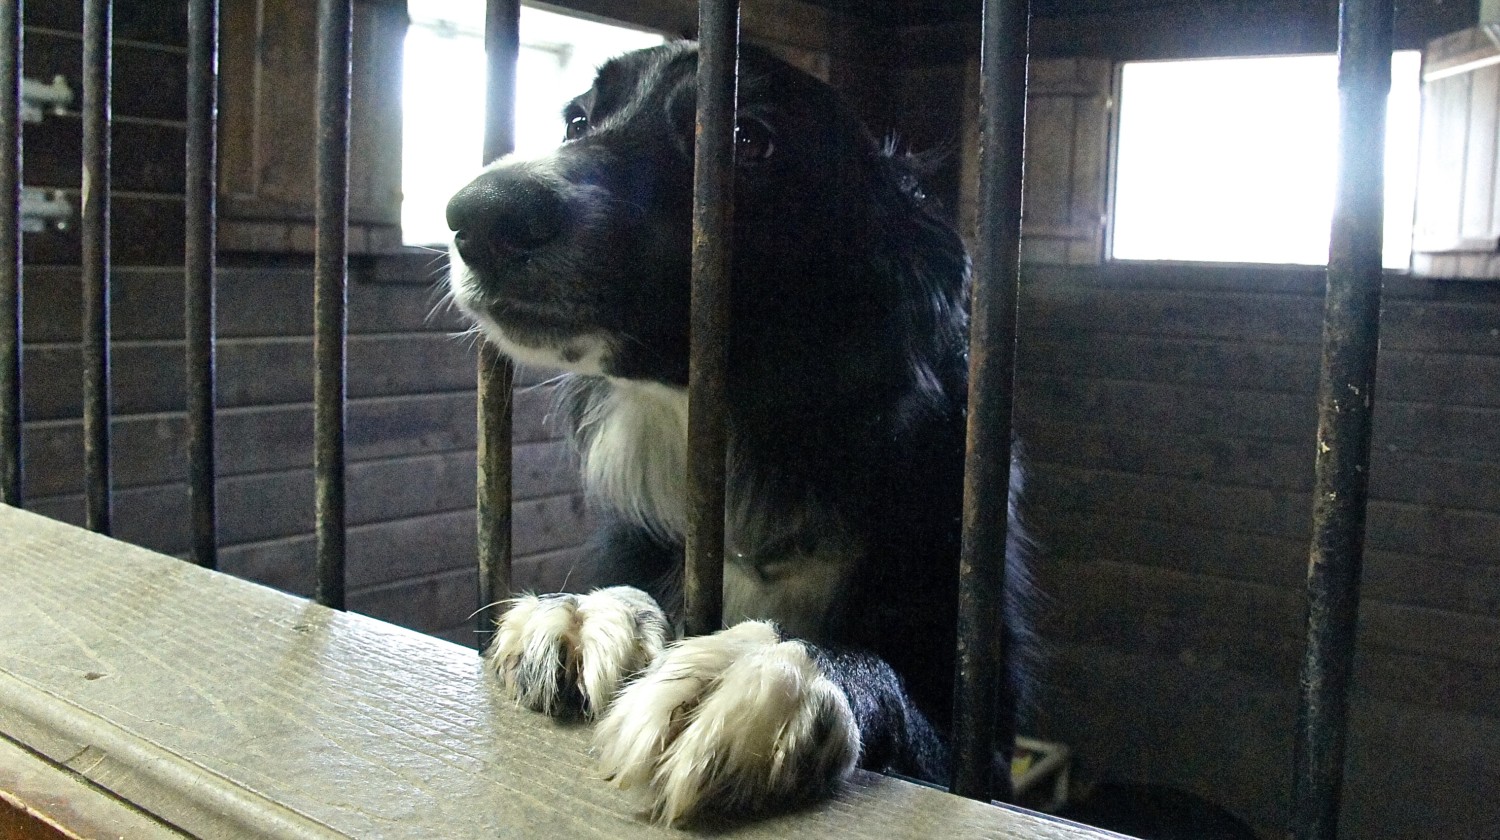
502 218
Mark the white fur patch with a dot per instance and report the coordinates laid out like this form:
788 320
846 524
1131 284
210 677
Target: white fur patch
586 354
732 721
554 651
635 453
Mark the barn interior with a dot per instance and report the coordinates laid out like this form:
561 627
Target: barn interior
1167 404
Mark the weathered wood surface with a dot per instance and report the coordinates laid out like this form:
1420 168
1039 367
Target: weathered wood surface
1169 413
39 803
411 436
234 711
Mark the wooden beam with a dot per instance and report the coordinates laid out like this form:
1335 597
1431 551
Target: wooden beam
230 710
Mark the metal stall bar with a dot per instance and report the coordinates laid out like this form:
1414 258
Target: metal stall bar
199 268
713 231
1346 391
502 45
10 253
983 705
330 293
95 266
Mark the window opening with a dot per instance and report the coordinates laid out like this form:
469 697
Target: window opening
443 88
1235 160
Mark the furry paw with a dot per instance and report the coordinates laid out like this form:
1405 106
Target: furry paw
564 653
735 721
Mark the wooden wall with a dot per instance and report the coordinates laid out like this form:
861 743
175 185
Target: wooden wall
411 381
1170 414
410 439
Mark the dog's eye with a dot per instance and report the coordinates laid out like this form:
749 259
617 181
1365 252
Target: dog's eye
753 141
578 125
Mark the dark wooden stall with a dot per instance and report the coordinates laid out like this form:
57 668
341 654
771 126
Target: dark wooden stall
1169 410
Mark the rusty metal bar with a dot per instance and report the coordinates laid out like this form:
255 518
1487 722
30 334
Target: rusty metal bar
95 265
10 253
1346 392
502 27
982 715
713 233
330 293
199 268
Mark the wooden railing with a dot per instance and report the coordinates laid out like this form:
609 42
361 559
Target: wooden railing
144 697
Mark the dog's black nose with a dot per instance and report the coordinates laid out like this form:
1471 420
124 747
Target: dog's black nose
500 214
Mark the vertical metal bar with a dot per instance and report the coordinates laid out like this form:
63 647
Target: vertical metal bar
10 253
95 266
202 174
330 292
982 702
713 232
1346 391
502 45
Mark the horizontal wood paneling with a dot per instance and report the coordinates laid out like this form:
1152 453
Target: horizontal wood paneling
149 377
253 301
1226 734
157 21
411 427
1168 411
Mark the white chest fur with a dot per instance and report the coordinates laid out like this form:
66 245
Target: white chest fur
635 461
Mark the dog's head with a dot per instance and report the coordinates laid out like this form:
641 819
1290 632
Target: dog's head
581 259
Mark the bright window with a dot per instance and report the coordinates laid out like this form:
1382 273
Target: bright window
443 96
1234 160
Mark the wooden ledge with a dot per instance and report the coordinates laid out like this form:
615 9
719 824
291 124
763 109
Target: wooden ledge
192 703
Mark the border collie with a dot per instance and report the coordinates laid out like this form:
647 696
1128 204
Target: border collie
847 384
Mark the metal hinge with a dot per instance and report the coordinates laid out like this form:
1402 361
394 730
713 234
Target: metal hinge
41 209
38 99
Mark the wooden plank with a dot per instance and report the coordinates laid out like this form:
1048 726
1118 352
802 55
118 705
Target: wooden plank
423 545
1249 627
1218 363
1251 303
268 506
147 303
146 229
1180 409
1127 310
1389 577
236 711
423 604
40 800
145 156
264 439
1396 476
257 439
1453 535
1226 735
148 376
1252 462
134 20
1416 429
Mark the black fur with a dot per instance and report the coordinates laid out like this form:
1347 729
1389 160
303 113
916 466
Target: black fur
847 362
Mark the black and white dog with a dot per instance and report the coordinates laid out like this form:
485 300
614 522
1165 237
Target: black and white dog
847 389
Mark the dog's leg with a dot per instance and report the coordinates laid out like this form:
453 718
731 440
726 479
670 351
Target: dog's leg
564 653
744 719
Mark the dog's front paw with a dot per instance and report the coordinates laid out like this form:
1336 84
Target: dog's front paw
564 653
735 721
